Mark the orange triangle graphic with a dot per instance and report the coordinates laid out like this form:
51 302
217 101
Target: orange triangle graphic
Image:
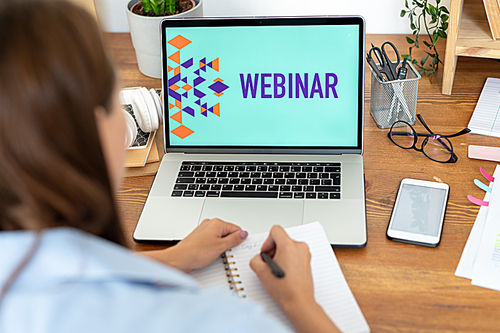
215 64
218 94
169 68
177 70
203 109
217 109
170 105
177 117
218 80
176 57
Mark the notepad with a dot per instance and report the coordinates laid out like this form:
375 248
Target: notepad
331 290
486 117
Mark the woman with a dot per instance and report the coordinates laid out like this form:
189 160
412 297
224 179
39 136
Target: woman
63 264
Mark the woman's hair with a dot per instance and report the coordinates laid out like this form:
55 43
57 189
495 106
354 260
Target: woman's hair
54 70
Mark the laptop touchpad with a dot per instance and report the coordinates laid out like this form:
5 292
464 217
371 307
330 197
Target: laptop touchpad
255 215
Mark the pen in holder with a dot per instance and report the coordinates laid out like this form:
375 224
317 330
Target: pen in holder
394 100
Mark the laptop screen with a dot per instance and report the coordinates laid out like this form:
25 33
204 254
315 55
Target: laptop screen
268 83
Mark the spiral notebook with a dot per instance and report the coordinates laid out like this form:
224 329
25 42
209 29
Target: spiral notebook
233 273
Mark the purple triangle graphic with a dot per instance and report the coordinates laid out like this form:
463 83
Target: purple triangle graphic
210 64
204 105
204 68
198 81
198 102
198 93
197 72
189 110
211 109
188 63
204 113
185 80
185 94
203 61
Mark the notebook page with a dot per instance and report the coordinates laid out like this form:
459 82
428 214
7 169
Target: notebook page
331 289
212 275
486 117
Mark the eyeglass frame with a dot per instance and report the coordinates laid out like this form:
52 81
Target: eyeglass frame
453 157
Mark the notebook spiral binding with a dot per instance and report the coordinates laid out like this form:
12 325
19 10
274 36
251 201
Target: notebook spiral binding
231 273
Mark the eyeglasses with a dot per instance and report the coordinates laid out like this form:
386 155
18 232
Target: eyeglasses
435 146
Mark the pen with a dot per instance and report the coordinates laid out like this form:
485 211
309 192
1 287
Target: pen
402 71
374 67
274 267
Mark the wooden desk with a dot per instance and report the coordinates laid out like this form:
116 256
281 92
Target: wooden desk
399 287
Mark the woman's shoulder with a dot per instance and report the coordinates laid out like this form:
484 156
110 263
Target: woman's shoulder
78 282
69 254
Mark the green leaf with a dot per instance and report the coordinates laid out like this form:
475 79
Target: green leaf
424 59
403 13
409 40
427 44
147 6
441 33
444 17
444 9
412 26
438 1
406 4
406 56
444 26
433 10
170 6
414 61
434 19
416 43
435 37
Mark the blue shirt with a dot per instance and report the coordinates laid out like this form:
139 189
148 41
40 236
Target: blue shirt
77 282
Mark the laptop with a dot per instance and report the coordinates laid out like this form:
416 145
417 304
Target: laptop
263 126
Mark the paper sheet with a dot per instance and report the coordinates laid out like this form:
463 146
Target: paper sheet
486 117
466 263
331 289
486 269
480 259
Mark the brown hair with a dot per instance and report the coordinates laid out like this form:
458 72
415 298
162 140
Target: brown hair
54 70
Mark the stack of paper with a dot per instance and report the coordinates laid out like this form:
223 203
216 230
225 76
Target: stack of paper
480 259
485 120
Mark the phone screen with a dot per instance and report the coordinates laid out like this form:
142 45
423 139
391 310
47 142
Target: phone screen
419 210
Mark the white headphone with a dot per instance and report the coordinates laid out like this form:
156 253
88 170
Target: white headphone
146 106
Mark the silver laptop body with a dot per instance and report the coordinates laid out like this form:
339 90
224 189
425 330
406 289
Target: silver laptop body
263 126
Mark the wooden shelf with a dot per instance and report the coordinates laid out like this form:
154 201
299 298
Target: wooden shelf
469 35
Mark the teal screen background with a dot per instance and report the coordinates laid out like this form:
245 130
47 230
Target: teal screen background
324 122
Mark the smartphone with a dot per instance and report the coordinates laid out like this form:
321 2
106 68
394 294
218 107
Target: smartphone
418 214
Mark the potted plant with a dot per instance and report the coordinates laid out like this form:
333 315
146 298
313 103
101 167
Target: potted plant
144 19
434 20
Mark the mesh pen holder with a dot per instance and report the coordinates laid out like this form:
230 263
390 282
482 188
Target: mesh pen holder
394 100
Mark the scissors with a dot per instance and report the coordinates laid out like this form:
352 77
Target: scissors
387 67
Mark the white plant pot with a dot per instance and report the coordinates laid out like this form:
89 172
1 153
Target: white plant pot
145 33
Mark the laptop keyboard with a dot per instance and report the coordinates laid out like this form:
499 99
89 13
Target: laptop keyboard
258 180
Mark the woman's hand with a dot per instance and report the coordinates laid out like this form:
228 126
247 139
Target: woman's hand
294 293
295 260
202 246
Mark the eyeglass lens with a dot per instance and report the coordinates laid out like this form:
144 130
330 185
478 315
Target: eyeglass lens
403 135
438 148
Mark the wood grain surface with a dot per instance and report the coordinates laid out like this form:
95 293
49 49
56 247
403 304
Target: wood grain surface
399 287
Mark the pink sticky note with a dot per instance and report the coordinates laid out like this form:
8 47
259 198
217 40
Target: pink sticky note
477 201
486 175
